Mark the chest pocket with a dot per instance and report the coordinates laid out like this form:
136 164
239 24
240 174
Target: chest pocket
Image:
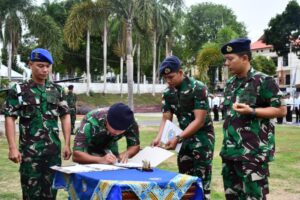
29 105
249 95
53 97
187 101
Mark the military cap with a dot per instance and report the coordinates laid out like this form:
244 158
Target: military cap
169 64
236 46
41 55
120 116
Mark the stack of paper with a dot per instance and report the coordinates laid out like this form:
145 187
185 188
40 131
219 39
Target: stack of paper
85 168
154 155
170 131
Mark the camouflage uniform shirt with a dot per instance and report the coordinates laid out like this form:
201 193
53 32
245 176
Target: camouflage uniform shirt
93 137
38 107
182 101
248 138
71 99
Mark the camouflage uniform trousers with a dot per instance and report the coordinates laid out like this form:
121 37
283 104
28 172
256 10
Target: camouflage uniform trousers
196 162
245 180
73 119
37 178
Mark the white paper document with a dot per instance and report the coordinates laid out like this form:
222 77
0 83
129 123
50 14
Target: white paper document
170 131
85 168
154 155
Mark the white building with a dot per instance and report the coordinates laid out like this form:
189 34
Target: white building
288 66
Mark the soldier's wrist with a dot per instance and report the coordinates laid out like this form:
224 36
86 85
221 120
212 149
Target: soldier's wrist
179 138
253 112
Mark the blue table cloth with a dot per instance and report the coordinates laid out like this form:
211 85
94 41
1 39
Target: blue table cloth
109 185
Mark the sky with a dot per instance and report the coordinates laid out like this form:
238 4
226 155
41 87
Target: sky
255 14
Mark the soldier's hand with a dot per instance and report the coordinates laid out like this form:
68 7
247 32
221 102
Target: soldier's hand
123 157
67 153
155 142
171 144
14 155
109 159
242 108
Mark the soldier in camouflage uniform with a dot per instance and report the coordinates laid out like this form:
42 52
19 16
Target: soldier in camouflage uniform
71 99
251 99
187 98
38 103
96 139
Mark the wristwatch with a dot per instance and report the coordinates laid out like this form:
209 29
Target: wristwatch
253 113
179 139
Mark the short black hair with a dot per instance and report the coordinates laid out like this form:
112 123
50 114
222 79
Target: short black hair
247 53
70 87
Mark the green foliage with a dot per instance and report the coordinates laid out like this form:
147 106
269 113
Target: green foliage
208 61
263 64
226 34
284 28
203 21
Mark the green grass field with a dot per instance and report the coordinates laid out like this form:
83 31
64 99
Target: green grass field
285 170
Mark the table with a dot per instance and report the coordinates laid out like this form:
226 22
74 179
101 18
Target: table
129 184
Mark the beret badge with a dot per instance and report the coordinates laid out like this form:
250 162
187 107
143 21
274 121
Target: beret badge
36 55
167 70
229 49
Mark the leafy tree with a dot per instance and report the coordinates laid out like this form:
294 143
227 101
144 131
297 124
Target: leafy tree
263 64
208 61
284 29
203 21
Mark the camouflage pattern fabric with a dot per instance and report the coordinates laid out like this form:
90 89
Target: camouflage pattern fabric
71 99
196 154
38 108
93 137
249 140
37 178
245 180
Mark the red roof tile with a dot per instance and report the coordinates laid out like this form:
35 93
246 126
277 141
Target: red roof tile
259 44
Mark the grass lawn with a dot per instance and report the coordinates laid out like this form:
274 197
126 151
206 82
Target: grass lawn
285 170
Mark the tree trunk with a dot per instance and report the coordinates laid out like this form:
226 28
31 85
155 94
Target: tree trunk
138 67
9 63
154 64
104 54
121 75
88 74
129 62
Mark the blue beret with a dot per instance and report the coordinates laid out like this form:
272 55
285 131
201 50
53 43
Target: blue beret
170 64
120 116
236 46
41 55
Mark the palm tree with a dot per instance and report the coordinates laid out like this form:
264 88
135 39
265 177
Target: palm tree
128 10
118 27
82 18
11 18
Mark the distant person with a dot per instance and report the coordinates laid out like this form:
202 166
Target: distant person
222 107
187 98
71 99
297 108
290 106
216 106
251 100
38 103
96 139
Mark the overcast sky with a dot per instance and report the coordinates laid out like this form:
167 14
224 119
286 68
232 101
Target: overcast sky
255 14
